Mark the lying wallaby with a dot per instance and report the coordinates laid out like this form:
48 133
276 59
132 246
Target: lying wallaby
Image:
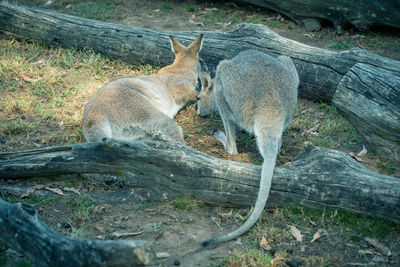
134 107
258 93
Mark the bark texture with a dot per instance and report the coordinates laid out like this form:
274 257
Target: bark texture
362 14
22 231
318 177
370 99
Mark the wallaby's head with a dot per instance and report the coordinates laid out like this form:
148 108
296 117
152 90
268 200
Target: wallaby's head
206 104
186 58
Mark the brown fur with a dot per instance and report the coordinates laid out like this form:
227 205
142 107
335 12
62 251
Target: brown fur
135 107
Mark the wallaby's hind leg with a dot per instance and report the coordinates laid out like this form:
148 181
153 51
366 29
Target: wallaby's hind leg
229 138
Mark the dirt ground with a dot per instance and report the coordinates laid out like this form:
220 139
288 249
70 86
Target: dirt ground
177 227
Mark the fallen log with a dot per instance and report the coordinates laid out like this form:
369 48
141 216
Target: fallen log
320 70
362 14
22 231
318 177
370 99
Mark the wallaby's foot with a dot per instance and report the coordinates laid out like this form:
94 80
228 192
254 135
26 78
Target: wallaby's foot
220 136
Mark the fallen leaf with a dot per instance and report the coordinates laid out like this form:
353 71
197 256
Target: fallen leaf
316 236
70 189
311 221
100 228
55 190
363 152
226 215
308 35
39 62
375 243
296 233
123 235
27 79
366 251
356 157
264 244
162 255
196 23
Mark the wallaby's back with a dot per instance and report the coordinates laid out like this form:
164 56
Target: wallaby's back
138 107
256 84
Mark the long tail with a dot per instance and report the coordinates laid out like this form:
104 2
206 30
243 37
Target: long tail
269 150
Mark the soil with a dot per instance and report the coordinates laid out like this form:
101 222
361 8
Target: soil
179 231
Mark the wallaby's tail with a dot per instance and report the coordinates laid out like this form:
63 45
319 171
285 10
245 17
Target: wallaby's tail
268 147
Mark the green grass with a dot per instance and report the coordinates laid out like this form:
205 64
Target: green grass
82 208
350 227
49 86
386 165
342 45
165 7
361 225
329 127
92 10
187 203
31 199
191 8
15 127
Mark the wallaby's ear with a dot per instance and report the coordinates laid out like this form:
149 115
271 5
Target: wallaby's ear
205 80
176 46
196 45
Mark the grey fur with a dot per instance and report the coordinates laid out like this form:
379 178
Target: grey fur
258 93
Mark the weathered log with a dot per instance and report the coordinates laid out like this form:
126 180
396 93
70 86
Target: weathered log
318 177
22 231
362 14
370 99
320 70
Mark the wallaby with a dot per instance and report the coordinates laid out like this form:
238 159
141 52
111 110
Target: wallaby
135 107
258 93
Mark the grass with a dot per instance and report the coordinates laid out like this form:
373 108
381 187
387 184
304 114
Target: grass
165 7
187 203
82 207
191 8
337 224
31 199
323 126
386 165
341 45
91 10
44 89
15 127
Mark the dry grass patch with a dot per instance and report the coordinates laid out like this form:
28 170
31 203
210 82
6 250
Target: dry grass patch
43 91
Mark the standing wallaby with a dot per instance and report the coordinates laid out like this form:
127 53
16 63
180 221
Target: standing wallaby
134 107
258 93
